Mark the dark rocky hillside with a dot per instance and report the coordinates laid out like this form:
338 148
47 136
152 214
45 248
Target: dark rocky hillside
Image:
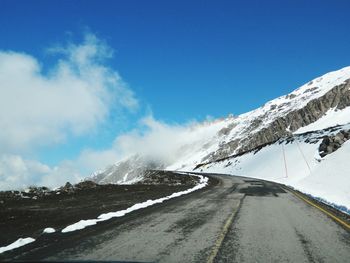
336 98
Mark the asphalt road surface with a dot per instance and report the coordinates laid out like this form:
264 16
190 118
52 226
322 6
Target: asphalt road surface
234 220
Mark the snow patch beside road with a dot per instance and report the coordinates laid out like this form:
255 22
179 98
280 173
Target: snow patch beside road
203 181
49 230
18 243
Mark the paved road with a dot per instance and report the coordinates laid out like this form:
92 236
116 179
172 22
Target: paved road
234 220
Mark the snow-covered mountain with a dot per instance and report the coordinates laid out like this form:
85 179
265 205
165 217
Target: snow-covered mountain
290 128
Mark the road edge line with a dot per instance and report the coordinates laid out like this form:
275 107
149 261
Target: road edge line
223 234
340 221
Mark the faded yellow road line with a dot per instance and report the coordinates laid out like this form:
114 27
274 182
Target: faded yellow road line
340 221
221 237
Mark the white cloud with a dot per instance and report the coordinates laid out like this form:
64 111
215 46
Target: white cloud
73 98
166 142
152 139
91 160
19 173
155 140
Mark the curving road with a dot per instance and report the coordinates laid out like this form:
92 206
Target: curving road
235 219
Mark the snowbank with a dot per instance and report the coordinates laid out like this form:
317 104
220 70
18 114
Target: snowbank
298 165
18 243
203 181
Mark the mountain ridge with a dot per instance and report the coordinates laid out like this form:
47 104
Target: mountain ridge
325 99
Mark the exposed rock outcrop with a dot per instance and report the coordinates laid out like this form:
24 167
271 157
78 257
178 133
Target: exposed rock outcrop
337 98
67 188
86 185
332 143
154 177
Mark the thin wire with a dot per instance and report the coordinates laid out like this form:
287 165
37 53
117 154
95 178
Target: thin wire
308 166
285 162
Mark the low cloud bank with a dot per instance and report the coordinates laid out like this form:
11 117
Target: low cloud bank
156 141
19 173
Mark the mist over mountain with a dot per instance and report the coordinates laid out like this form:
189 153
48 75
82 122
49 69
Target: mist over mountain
301 119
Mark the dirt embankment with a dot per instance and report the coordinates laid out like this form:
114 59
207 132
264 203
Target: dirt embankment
27 214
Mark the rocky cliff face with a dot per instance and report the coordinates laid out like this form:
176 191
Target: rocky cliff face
337 98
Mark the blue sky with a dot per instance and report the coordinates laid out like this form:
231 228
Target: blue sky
182 60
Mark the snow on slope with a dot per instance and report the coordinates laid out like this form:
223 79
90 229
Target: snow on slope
330 179
297 164
331 118
291 102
